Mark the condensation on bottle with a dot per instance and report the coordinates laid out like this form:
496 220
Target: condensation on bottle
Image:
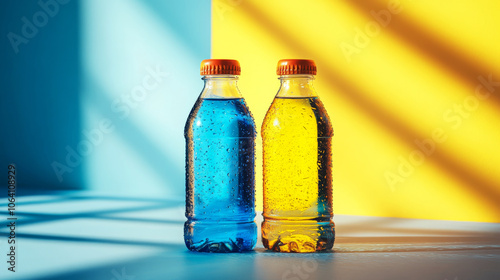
296 135
220 165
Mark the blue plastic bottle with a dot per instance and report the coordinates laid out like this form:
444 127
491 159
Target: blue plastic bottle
220 165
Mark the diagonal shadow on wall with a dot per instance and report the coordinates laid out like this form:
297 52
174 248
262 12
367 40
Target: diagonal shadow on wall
484 188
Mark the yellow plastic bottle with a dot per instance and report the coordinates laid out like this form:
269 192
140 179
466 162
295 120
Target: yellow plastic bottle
296 135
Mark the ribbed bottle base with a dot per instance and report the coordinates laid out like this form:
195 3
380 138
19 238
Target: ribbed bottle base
220 237
298 236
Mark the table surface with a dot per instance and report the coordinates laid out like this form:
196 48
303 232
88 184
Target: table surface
82 235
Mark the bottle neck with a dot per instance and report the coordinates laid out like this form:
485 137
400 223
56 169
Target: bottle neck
221 87
297 86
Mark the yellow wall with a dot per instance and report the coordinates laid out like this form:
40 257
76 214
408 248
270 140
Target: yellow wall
413 77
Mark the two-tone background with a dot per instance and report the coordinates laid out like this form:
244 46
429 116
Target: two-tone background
94 96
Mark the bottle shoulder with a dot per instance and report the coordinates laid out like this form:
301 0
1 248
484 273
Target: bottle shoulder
297 117
214 118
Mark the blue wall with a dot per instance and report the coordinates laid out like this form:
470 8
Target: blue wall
98 97
39 96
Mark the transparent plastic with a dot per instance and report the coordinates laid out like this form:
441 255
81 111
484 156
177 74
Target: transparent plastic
220 170
296 135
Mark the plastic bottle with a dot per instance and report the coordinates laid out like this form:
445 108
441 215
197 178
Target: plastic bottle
220 165
296 135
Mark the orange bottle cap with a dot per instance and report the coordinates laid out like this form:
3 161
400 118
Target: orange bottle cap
296 66
220 67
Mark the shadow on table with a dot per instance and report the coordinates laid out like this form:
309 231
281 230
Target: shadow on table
381 236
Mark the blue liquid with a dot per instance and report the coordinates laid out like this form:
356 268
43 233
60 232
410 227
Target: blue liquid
220 182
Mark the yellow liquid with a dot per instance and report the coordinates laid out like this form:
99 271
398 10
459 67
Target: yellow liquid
296 136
